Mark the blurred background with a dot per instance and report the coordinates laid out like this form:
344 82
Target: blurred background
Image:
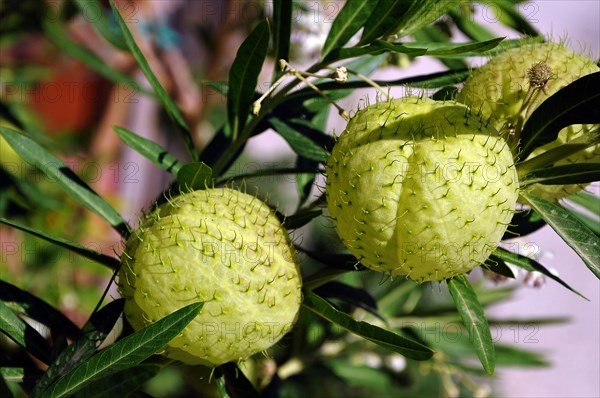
190 43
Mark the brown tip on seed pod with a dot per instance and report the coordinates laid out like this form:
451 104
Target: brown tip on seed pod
539 74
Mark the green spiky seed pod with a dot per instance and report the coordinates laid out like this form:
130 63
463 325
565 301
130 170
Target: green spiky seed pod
226 249
420 188
513 84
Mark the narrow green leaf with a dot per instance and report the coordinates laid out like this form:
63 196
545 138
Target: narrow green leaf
448 49
465 21
497 266
575 234
433 34
126 353
282 30
150 150
162 94
57 34
577 173
300 144
471 313
38 310
507 13
194 176
402 17
523 223
119 384
56 170
577 103
24 335
530 265
392 341
377 47
243 76
5 391
301 218
93 12
94 333
586 200
83 251
350 19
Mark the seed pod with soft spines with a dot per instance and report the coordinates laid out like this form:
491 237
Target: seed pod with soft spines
420 188
513 84
226 249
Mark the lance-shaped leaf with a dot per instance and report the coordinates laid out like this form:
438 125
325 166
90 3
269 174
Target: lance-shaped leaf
57 171
577 103
94 333
282 30
471 313
233 383
577 173
392 341
93 255
350 19
530 265
300 143
243 76
401 17
194 176
38 310
93 12
23 334
57 34
126 353
523 223
161 93
575 234
150 150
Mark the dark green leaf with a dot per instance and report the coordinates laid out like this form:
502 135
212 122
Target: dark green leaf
282 30
499 267
349 294
465 21
4 389
551 156
243 76
305 181
38 310
126 353
507 13
589 202
56 33
530 265
577 173
350 19
523 223
23 334
301 144
575 234
94 333
391 341
474 319
93 12
57 171
162 94
120 383
194 176
377 47
440 49
83 251
577 103
301 218
150 150
402 17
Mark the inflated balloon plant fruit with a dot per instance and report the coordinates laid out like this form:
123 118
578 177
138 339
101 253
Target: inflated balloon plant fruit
420 188
513 84
226 249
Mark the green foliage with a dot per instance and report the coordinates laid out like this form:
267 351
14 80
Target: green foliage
360 315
